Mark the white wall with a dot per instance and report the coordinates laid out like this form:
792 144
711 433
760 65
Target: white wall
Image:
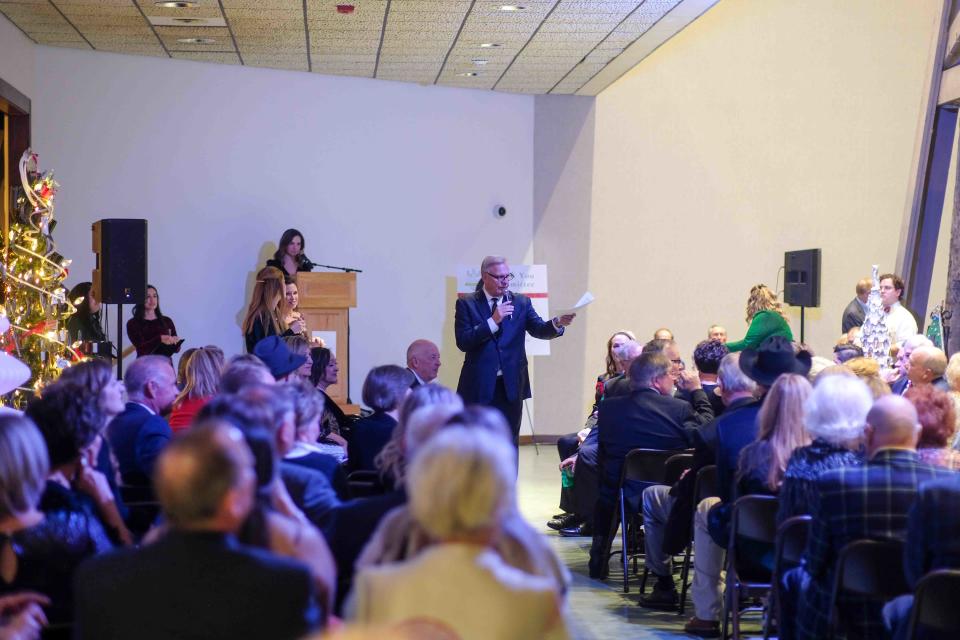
17 58
396 179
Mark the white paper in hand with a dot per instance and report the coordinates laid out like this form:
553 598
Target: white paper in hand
584 300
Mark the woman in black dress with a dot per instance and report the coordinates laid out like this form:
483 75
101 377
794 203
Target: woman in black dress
289 256
151 332
323 374
84 325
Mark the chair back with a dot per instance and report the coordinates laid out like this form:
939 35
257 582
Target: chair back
675 466
646 465
791 540
935 603
871 568
706 483
754 520
363 484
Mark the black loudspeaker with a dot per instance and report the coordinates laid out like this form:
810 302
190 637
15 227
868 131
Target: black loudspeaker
120 276
801 285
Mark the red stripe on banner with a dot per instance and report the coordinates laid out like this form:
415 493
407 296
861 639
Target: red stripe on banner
529 295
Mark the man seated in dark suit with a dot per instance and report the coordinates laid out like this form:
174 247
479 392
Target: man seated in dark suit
197 582
648 418
933 542
854 503
707 357
384 390
423 361
926 365
139 434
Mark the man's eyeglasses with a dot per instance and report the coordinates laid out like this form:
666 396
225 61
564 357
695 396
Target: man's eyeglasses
505 278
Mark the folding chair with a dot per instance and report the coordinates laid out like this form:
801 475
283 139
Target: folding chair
791 539
754 519
705 486
935 604
363 484
868 568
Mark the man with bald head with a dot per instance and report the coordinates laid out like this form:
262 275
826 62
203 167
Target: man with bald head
189 583
900 385
423 361
869 501
926 365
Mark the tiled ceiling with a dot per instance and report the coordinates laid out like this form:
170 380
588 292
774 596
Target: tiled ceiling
538 47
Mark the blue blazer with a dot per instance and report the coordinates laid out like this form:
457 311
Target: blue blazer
486 353
933 529
137 437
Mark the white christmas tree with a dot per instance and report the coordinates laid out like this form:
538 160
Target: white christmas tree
875 337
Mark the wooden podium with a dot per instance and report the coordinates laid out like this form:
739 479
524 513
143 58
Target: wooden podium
325 302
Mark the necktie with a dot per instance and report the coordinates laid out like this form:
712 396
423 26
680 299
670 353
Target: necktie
494 307
886 309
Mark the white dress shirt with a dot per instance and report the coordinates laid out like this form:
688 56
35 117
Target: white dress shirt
900 323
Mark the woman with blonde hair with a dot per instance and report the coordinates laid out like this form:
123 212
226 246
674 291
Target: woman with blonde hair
765 317
201 382
266 315
868 370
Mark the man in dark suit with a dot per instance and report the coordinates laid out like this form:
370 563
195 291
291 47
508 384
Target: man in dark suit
926 365
856 311
490 327
197 581
933 542
423 361
139 434
854 503
649 418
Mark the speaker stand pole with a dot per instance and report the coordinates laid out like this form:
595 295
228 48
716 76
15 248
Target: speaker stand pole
120 342
802 308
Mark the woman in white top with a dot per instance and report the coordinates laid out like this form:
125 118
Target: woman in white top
461 487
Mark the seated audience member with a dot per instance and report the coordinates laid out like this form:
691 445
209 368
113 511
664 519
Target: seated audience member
70 423
384 390
854 503
846 351
937 421
84 325
182 367
202 381
707 357
289 257
663 334
856 311
21 616
291 292
899 320
926 367
399 537
299 346
268 407
619 384
423 361
274 353
244 371
268 310
716 332
952 375
461 487
933 528
668 512
151 332
139 434
836 413
900 379
818 365
568 445
38 551
324 373
649 418
868 370
212 587
306 450
758 469
765 317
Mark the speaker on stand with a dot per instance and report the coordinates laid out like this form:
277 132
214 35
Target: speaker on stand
120 275
801 282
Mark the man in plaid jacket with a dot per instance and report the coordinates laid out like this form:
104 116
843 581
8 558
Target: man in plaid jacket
855 503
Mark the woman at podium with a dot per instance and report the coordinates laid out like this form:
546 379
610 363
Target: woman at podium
151 332
289 256
267 313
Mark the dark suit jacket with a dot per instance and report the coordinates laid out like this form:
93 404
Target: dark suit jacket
933 529
137 437
644 420
416 380
734 431
853 316
201 586
310 491
505 351
618 385
870 501
370 435
330 467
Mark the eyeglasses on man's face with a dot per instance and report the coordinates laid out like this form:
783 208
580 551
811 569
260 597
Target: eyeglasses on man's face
504 278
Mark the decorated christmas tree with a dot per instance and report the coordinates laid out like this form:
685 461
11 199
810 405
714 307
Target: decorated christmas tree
875 338
34 299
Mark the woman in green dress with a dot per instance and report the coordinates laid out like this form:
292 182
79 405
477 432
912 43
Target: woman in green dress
765 317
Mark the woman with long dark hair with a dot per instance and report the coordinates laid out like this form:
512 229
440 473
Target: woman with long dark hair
266 315
151 332
84 325
323 374
289 256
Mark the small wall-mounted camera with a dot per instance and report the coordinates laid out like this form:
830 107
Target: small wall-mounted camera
501 211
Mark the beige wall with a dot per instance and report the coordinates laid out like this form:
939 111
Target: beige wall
17 58
766 126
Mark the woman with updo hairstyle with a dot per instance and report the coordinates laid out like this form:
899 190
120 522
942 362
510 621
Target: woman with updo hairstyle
765 317
267 310
323 374
84 325
289 256
202 383
937 417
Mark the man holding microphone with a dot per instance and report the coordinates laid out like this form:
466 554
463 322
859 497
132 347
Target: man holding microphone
491 326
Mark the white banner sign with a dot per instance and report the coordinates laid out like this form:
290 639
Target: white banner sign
530 280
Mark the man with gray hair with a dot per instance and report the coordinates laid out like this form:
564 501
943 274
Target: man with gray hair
490 328
423 361
927 365
900 384
139 434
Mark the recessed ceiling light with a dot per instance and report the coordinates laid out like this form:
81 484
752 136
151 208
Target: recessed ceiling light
188 20
490 45
512 7
176 4
469 74
196 40
479 61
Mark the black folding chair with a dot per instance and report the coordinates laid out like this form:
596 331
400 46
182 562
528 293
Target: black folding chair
705 486
363 484
791 539
935 605
868 568
640 465
754 519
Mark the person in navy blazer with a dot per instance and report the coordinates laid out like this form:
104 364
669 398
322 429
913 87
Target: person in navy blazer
491 326
139 434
